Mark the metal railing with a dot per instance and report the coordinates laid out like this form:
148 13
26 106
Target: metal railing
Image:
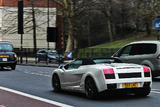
28 56
96 52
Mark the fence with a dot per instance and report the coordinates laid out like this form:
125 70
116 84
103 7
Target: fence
27 55
96 52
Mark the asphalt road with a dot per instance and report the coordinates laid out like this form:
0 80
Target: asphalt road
37 81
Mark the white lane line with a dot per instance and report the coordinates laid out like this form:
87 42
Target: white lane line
39 74
157 91
35 97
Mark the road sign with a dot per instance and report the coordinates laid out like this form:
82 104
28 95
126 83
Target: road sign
157 24
69 55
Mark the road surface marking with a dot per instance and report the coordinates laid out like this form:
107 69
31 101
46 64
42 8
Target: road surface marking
2 106
39 74
35 97
155 91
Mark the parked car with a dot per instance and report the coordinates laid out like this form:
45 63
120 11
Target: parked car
8 57
97 75
49 55
142 52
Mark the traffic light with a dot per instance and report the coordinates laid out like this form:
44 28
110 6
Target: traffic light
20 17
52 33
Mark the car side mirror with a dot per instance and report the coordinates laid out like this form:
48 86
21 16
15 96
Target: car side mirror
61 67
115 55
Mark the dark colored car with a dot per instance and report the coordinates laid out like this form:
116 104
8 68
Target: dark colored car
49 56
8 57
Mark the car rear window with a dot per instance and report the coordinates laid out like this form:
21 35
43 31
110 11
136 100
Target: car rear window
139 49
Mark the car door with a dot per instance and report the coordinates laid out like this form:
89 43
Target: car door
42 55
71 75
129 54
123 54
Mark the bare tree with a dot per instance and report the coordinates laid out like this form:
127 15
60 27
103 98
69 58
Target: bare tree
34 27
106 7
67 8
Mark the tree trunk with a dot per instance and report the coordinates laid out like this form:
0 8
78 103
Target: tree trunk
109 30
137 27
109 26
69 46
34 27
148 29
89 38
75 44
69 43
75 48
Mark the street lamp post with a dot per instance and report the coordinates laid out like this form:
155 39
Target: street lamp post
20 26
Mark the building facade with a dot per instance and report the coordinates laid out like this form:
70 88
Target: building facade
8 22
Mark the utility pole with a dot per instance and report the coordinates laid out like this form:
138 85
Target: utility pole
34 29
20 26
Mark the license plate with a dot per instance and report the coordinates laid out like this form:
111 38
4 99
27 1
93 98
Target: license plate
4 59
129 85
4 56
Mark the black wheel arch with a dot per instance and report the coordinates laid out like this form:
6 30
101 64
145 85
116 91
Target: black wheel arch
89 76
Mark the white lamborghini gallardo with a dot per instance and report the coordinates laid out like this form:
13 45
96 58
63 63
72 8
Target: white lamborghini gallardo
96 75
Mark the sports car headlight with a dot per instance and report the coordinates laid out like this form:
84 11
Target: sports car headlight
109 73
146 71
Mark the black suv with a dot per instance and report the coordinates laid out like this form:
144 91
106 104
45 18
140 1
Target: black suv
8 57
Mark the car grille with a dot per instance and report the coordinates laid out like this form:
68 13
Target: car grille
129 75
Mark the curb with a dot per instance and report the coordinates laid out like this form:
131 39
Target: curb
39 65
44 64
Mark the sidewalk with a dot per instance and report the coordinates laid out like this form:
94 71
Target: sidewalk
13 98
8 99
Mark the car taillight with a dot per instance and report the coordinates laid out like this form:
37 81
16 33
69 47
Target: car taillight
158 57
15 56
146 71
109 73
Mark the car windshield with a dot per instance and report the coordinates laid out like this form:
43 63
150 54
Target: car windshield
6 47
100 61
52 53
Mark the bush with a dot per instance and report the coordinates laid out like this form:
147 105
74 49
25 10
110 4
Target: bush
124 29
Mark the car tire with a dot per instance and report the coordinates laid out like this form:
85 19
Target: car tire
13 67
56 83
143 92
90 88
